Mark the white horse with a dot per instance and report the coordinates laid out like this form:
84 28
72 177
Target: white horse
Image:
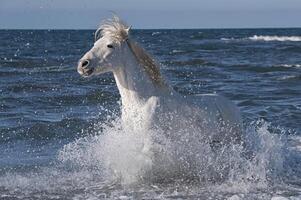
146 98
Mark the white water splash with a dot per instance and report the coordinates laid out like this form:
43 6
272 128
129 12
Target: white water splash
153 162
147 156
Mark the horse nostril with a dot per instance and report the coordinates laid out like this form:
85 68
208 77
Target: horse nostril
85 63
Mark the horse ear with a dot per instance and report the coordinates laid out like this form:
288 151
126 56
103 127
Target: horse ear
128 29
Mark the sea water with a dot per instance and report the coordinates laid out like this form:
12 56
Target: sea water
61 136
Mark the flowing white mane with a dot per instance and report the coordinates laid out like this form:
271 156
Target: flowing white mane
114 28
119 31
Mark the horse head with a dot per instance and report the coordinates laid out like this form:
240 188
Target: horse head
106 54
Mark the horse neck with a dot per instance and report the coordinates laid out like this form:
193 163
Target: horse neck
134 84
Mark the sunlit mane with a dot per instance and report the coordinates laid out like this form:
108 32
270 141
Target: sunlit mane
119 31
114 28
148 63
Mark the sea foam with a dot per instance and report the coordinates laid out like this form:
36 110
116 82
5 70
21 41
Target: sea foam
275 38
267 38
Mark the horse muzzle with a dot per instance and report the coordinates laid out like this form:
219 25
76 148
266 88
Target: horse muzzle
84 69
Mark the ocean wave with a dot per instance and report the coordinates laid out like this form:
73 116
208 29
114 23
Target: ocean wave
275 38
155 33
290 66
288 77
267 38
190 62
177 51
227 39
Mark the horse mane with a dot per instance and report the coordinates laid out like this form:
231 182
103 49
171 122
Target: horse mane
147 62
118 30
114 28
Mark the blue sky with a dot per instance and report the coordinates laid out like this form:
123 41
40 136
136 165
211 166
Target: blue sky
87 14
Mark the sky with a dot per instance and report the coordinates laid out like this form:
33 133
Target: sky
141 14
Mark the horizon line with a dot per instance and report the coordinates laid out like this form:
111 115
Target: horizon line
204 28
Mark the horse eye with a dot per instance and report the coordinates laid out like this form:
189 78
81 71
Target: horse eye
110 46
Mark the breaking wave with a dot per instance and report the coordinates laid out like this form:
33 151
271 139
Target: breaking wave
268 38
275 38
291 65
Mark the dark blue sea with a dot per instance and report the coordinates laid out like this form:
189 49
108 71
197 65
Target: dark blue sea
51 117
